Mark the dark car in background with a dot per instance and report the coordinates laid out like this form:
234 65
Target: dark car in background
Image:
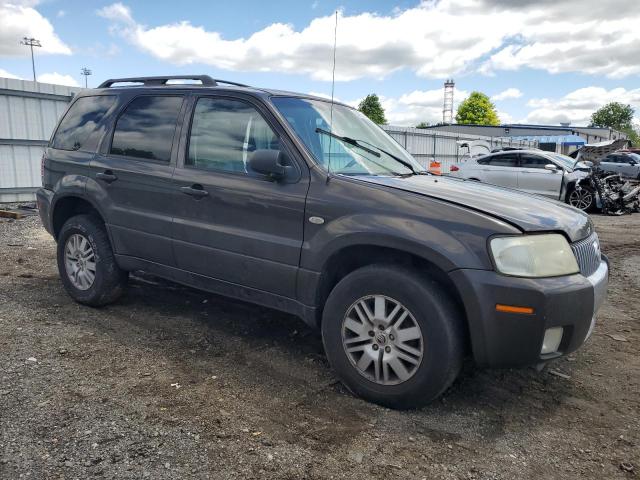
306 206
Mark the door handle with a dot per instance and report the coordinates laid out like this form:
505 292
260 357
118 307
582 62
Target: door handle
195 191
107 176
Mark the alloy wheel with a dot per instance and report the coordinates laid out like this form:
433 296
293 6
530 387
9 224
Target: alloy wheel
80 261
581 199
382 340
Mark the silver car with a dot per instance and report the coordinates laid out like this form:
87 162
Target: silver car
533 171
627 164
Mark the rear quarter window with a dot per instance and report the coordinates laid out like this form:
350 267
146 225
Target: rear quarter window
81 121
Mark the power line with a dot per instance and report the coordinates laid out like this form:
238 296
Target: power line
85 72
31 42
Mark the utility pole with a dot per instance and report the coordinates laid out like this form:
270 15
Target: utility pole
31 42
85 72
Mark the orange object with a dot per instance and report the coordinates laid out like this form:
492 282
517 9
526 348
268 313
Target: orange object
513 309
434 167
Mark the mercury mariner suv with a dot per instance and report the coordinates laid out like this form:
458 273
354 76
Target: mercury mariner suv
305 206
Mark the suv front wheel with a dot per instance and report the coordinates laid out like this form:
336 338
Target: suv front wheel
393 336
86 263
582 197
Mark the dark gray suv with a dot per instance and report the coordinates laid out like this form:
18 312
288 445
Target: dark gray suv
305 206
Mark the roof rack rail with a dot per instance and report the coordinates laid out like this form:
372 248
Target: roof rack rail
226 82
206 80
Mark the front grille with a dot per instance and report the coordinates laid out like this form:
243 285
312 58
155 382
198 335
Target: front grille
587 252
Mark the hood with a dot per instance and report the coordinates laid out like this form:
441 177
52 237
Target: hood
530 213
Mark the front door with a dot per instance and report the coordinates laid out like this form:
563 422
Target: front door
533 177
133 178
233 224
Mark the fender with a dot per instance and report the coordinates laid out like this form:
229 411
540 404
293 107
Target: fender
443 248
73 186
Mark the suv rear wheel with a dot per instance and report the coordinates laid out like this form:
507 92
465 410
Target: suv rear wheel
86 263
393 336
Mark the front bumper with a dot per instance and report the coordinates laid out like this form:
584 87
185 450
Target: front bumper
501 339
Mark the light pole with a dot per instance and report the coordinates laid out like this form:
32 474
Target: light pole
31 42
85 72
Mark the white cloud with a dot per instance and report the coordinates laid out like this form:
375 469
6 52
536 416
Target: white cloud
5 74
433 39
117 12
505 117
61 14
577 106
508 93
58 79
20 19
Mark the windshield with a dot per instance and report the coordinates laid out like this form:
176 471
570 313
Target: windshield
564 160
311 121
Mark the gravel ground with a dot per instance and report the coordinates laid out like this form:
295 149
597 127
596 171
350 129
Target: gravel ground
174 383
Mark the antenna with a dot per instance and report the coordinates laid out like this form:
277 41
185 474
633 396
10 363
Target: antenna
333 84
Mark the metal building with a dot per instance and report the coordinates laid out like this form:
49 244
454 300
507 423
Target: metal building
28 114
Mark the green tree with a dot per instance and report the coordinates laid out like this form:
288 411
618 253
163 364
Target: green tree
613 115
633 133
422 125
478 109
372 108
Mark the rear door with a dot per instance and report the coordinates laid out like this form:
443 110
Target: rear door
133 177
238 226
534 178
500 169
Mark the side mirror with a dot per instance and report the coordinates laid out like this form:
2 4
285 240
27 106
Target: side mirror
551 166
588 163
632 162
270 163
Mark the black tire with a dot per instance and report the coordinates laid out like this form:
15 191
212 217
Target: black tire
440 321
110 281
592 204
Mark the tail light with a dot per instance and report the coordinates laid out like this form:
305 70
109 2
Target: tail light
42 168
453 168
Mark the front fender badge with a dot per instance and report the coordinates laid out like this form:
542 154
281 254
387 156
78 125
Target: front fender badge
316 220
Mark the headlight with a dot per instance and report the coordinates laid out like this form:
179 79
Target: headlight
547 255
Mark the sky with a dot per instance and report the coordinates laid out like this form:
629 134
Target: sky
542 61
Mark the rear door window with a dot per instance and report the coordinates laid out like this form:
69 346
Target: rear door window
146 128
82 119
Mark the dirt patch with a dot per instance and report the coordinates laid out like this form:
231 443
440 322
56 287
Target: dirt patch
173 383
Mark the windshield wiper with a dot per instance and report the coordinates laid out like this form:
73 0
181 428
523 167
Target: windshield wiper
350 141
359 144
